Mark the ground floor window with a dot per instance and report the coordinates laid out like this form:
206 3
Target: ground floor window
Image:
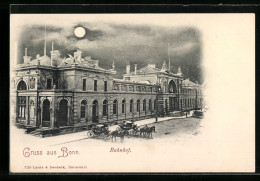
32 110
105 105
131 105
83 109
144 105
138 106
150 104
123 106
21 106
115 107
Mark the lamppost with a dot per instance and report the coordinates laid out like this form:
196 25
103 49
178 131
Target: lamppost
158 89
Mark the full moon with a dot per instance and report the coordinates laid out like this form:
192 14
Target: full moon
79 32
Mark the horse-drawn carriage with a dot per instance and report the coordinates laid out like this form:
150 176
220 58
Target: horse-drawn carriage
99 131
128 128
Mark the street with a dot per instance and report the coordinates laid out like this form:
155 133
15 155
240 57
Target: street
171 129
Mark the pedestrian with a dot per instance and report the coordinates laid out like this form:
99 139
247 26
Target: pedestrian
186 114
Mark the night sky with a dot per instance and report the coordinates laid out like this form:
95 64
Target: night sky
121 43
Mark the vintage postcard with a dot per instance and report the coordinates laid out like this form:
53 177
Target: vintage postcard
132 93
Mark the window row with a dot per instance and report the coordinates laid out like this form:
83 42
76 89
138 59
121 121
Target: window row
95 85
124 106
133 88
189 91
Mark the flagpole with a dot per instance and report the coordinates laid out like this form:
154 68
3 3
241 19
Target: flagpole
169 58
45 41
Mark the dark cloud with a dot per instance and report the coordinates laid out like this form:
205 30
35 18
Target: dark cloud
142 30
122 43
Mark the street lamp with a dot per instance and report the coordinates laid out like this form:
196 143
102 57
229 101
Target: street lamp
158 89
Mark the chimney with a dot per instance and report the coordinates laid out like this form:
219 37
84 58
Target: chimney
135 68
128 68
26 58
55 54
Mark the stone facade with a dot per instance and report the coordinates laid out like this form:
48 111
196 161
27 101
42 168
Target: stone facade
57 92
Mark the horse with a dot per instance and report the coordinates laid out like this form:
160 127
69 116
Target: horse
147 131
117 133
134 131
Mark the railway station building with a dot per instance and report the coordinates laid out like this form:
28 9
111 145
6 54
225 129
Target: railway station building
54 92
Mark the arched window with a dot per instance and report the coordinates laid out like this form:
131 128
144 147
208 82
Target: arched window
95 111
83 109
131 105
123 106
172 87
105 107
150 104
115 107
21 85
138 106
144 105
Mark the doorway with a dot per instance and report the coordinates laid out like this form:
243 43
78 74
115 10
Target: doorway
95 111
63 112
46 113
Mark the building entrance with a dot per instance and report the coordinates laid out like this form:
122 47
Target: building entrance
46 113
63 112
95 111
173 103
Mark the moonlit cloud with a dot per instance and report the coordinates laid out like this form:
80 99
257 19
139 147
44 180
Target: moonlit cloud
121 43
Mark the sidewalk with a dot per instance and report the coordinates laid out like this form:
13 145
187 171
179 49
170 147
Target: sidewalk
150 121
77 136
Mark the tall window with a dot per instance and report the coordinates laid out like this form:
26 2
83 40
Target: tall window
165 87
115 107
49 83
95 85
105 86
138 106
172 87
105 107
21 85
83 109
144 105
150 104
131 105
31 109
155 103
84 84
21 106
123 106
